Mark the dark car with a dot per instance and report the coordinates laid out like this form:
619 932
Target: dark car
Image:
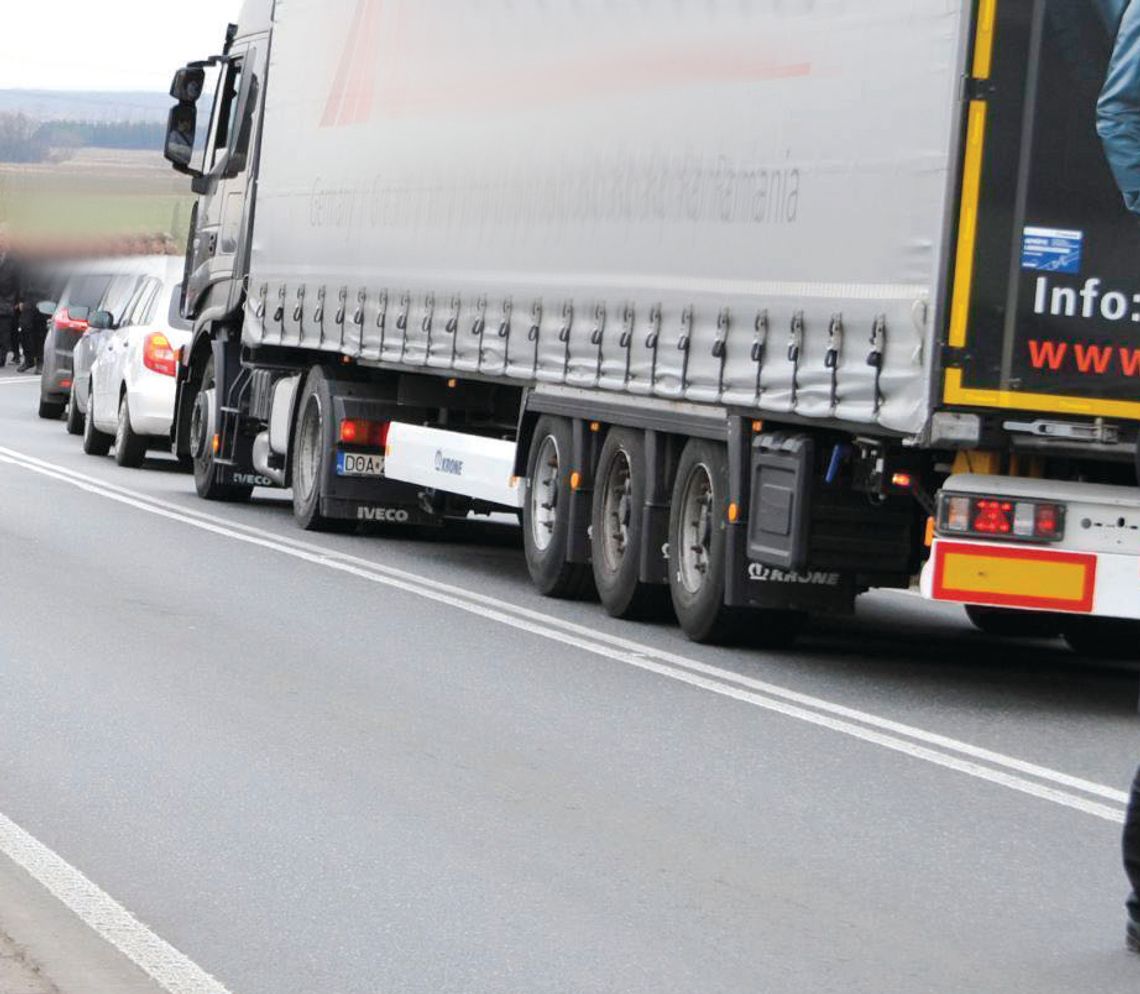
81 297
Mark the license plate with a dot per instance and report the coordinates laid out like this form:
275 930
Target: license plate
353 464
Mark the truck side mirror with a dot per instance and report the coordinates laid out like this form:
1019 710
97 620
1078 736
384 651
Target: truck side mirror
181 129
188 84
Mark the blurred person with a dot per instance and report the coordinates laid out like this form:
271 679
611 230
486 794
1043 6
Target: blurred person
10 297
1118 109
35 287
1132 865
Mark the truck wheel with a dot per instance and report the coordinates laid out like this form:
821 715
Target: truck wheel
1104 638
1006 623
616 527
130 447
546 514
312 455
697 556
95 442
51 410
75 417
208 475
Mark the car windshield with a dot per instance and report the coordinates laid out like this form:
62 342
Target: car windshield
119 294
87 291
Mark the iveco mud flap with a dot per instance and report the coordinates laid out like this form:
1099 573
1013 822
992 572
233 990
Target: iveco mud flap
1045 303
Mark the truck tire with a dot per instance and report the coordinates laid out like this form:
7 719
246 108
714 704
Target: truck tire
51 410
1104 638
546 517
95 442
130 447
1006 623
617 525
697 554
75 417
312 454
208 475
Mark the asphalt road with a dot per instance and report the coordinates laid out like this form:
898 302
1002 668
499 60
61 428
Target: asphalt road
353 765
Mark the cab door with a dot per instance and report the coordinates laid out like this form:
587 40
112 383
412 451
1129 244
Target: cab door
218 258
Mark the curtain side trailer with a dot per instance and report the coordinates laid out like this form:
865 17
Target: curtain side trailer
746 308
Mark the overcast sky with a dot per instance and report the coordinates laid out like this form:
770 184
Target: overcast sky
107 44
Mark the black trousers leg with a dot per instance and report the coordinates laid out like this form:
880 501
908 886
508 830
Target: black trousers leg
1132 850
39 330
7 337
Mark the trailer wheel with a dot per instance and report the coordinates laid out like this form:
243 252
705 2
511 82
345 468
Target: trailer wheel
1104 638
697 556
546 513
1007 623
208 475
616 527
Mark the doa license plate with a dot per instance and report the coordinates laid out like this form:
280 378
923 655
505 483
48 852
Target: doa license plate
354 464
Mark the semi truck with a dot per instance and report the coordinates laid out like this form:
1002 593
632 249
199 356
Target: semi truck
744 308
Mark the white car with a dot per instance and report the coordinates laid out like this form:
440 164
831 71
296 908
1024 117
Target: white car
132 383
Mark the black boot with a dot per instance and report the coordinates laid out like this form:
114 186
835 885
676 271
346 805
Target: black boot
24 366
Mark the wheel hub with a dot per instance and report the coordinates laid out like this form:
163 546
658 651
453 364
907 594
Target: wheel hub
544 493
696 530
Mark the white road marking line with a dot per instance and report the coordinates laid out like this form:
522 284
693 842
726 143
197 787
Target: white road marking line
632 648
679 668
8 381
159 960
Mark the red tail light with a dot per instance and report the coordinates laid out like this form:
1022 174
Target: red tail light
994 517
368 434
65 322
997 517
158 354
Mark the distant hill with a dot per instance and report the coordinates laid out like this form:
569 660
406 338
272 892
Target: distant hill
69 105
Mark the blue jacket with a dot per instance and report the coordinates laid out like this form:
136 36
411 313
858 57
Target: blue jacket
1118 110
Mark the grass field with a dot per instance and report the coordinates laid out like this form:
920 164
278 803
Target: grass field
97 192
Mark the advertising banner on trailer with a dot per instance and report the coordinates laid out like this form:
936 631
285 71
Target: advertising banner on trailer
1046 307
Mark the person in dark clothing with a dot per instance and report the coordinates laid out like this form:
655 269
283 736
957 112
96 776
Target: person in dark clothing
1132 865
11 294
33 324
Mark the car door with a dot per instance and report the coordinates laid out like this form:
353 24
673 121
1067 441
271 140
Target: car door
126 342
121 300
221 221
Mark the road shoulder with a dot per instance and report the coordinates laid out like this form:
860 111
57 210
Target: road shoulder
45 949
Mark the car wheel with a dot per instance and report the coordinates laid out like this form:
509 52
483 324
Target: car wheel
546 514
75 417
51 410
95 442
617 528
130 447
208 475
697 543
